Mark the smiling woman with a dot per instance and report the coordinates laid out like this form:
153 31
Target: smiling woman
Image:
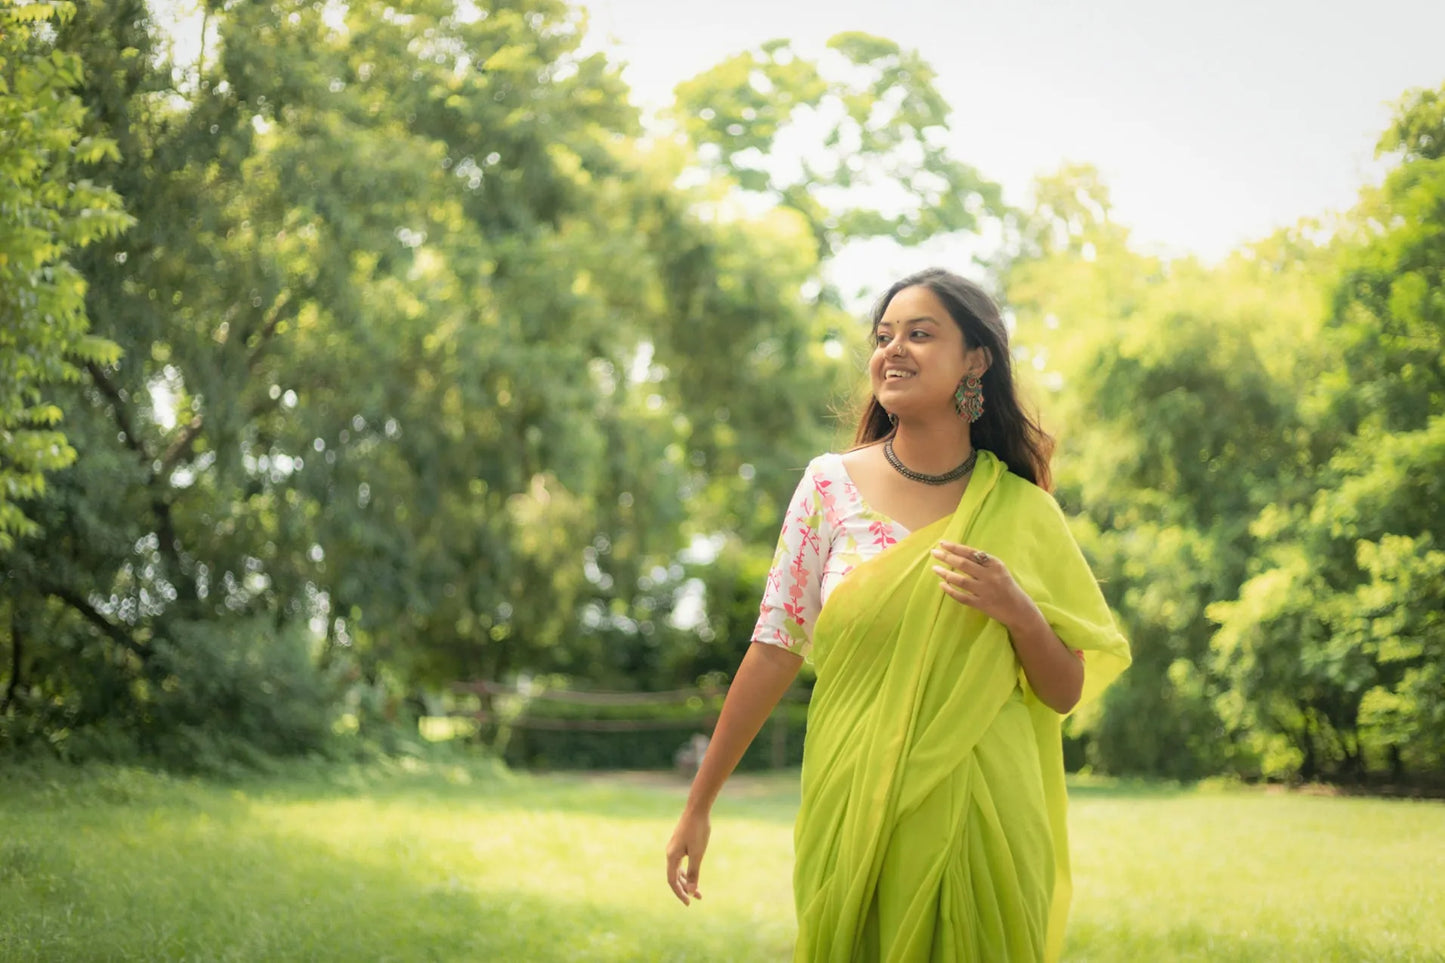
950 616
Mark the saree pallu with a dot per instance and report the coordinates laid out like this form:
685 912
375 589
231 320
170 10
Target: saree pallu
932 824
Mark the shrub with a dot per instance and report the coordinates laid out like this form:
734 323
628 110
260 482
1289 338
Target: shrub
583 737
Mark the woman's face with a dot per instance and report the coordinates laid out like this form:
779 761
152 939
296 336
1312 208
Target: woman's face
919 355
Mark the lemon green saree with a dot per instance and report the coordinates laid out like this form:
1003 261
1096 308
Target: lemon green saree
933 817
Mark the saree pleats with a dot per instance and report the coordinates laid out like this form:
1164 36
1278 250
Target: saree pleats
932 819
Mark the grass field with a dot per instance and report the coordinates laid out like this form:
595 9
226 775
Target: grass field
471 863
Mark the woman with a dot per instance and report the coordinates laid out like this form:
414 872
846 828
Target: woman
961 622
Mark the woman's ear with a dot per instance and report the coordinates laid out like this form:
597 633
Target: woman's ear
987 359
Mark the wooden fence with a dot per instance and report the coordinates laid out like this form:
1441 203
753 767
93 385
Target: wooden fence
705 717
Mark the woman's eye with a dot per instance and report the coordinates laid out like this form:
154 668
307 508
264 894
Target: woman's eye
880 339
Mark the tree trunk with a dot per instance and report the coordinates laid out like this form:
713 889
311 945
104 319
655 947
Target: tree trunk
1309 766
779 758
17 646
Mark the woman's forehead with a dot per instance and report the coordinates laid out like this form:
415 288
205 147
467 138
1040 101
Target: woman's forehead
915 303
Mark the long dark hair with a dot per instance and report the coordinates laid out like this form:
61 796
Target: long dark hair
1006 429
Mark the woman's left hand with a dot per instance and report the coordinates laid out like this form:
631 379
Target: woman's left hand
981 581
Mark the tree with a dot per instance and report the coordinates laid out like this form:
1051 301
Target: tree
384 398
1333 650
1175 433
1254 449
50 210
870 117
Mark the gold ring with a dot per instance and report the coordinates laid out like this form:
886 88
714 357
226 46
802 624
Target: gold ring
981 557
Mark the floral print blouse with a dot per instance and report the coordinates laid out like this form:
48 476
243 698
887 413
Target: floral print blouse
828 530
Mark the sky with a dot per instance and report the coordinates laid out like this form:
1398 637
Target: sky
1212 123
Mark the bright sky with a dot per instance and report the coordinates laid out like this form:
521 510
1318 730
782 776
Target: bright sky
1213 122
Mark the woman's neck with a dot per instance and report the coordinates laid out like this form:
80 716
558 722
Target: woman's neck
932 447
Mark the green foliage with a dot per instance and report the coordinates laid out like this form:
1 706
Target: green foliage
1419 119
1334 651
881 125
1389 311
49 209
1173 430
414 359
1256 448
210 698
422 352
247 685
577 737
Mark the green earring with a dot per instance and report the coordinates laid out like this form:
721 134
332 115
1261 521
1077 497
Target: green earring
968 398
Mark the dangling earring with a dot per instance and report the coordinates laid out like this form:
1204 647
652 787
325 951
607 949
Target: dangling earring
968 398
893 419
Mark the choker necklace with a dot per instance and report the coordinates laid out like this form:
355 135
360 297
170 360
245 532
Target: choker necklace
919 476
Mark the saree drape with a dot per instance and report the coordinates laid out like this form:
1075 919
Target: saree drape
932 824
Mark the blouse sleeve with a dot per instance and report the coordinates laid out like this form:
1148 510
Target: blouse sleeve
793 595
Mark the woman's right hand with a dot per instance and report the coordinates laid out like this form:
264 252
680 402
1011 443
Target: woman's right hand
689 841
759 683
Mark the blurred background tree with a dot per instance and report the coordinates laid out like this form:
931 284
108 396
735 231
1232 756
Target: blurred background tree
50 210
1253 451
384 347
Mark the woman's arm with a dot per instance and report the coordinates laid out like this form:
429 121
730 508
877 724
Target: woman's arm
983 582
1055 674
765 674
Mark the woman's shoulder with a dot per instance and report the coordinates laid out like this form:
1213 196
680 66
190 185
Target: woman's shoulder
1020 487
828 466
823 473
1034 502
830 483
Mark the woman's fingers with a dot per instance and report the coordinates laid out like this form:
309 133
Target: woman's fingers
674 877
684 885
972 562
973 577
694 870
961 558
946 554
689 846
981 581
960 595
952 579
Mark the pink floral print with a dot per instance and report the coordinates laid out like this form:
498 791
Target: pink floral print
828 530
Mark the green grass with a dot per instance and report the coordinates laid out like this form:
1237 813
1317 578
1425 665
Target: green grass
436 862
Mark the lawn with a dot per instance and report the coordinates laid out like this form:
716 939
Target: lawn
466 862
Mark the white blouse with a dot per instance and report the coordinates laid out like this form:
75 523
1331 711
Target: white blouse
828 530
